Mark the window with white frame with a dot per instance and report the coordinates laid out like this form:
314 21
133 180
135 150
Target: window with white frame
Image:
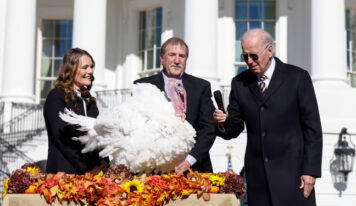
250 14
56 40
150 41
351 45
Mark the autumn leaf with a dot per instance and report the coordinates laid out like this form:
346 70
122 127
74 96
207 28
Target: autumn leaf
206 196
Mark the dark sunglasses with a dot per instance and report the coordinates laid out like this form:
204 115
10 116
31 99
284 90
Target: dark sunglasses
253 56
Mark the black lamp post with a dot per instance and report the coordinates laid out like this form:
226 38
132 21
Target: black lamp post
342 162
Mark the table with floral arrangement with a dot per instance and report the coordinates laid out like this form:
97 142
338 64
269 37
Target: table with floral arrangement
118 186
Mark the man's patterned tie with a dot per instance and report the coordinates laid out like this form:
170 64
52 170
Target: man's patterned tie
262 84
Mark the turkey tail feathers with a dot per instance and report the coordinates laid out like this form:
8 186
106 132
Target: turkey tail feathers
85 123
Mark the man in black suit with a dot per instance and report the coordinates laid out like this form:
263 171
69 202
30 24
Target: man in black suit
277 103
199 106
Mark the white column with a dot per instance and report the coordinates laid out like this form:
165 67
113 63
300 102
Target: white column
19 51
168 20
200 33
89 33
282 28
328 42
226 43
282 38
2 38
172 25
132 61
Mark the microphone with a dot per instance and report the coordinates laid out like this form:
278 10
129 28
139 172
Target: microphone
219 100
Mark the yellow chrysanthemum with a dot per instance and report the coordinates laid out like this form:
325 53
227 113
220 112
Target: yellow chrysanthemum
100 174
133 186
6 186
216 180
33 170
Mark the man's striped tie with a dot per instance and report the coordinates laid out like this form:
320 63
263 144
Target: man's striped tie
262 84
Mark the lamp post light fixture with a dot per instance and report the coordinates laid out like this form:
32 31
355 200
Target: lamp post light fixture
342 162
229 162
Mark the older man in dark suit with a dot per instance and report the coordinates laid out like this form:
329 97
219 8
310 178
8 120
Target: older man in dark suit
195 94
277 103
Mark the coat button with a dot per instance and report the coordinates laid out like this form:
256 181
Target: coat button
262 109
263 134
266 159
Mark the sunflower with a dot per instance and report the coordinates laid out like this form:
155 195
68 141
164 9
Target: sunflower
216 180
133 186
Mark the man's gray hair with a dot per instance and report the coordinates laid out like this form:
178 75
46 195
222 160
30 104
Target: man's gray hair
267 38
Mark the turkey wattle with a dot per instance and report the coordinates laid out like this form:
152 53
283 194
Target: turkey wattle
142 132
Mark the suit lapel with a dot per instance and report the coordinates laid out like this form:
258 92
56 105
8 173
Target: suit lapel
160 81
253 86
276 81
189 88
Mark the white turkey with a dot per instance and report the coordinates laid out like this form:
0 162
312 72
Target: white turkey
143 132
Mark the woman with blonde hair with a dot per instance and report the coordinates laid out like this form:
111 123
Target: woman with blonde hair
71 91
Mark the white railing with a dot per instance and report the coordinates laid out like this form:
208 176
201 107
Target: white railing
21 117
19 123
108 98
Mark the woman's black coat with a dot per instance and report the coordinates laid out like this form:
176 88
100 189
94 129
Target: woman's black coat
64 154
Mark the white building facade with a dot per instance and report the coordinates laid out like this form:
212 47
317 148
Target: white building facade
124 38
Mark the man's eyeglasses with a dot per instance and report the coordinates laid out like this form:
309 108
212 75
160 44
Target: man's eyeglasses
253 56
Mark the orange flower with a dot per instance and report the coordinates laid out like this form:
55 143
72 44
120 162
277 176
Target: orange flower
51 183
31 189
110 189
158 181
214 189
